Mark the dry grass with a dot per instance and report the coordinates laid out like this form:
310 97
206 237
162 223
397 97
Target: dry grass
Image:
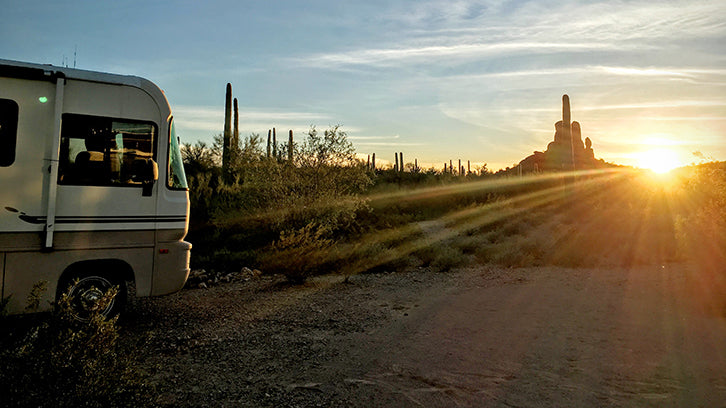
623 218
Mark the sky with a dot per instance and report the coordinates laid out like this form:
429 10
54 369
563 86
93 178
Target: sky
438 80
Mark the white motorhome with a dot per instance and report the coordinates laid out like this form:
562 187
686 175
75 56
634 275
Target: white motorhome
93 192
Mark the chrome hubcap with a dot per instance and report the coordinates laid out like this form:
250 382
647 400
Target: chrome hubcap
89 299
86 295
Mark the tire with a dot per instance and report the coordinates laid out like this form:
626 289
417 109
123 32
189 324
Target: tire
84 292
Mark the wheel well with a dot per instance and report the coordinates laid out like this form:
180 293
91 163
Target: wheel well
111 268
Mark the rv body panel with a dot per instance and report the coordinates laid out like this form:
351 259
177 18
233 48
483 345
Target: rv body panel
28 268
26 176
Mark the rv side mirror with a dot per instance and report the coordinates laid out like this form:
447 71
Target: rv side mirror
151 175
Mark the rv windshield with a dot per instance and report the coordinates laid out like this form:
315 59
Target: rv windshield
177 179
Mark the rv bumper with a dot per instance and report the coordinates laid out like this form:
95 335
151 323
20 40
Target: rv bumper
171 268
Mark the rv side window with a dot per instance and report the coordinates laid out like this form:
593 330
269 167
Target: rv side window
8 131
98 151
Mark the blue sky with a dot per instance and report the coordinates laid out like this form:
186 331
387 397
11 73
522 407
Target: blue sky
437 80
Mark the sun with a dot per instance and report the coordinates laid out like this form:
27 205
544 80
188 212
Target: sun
658 160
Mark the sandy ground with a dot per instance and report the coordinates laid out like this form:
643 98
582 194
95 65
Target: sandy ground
479 337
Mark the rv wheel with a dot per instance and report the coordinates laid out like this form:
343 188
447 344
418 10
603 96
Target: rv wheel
85 292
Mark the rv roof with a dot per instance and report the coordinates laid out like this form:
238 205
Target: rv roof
26 70
74 73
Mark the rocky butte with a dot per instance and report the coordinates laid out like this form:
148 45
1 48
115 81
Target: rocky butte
567 152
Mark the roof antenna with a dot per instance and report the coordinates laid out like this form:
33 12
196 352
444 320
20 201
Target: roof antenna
75 51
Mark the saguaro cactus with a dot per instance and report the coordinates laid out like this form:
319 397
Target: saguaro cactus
396 167
401 169
373 162
289 148
234 144
269 142
227 136
274 143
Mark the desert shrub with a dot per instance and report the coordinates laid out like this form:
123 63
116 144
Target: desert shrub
60 362
446 257
301 253
701 230
515 251
264 198
468 243
378 257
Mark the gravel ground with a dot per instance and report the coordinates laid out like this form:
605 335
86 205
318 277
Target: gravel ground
482 336
266 343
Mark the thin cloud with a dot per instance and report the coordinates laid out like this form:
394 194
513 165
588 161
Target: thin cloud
604 20
592 70
392 56
389 144
373 137
685 118
642 71
656 105
244 113
450 31
629 106
474 111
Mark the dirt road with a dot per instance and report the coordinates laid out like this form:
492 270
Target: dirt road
484 337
